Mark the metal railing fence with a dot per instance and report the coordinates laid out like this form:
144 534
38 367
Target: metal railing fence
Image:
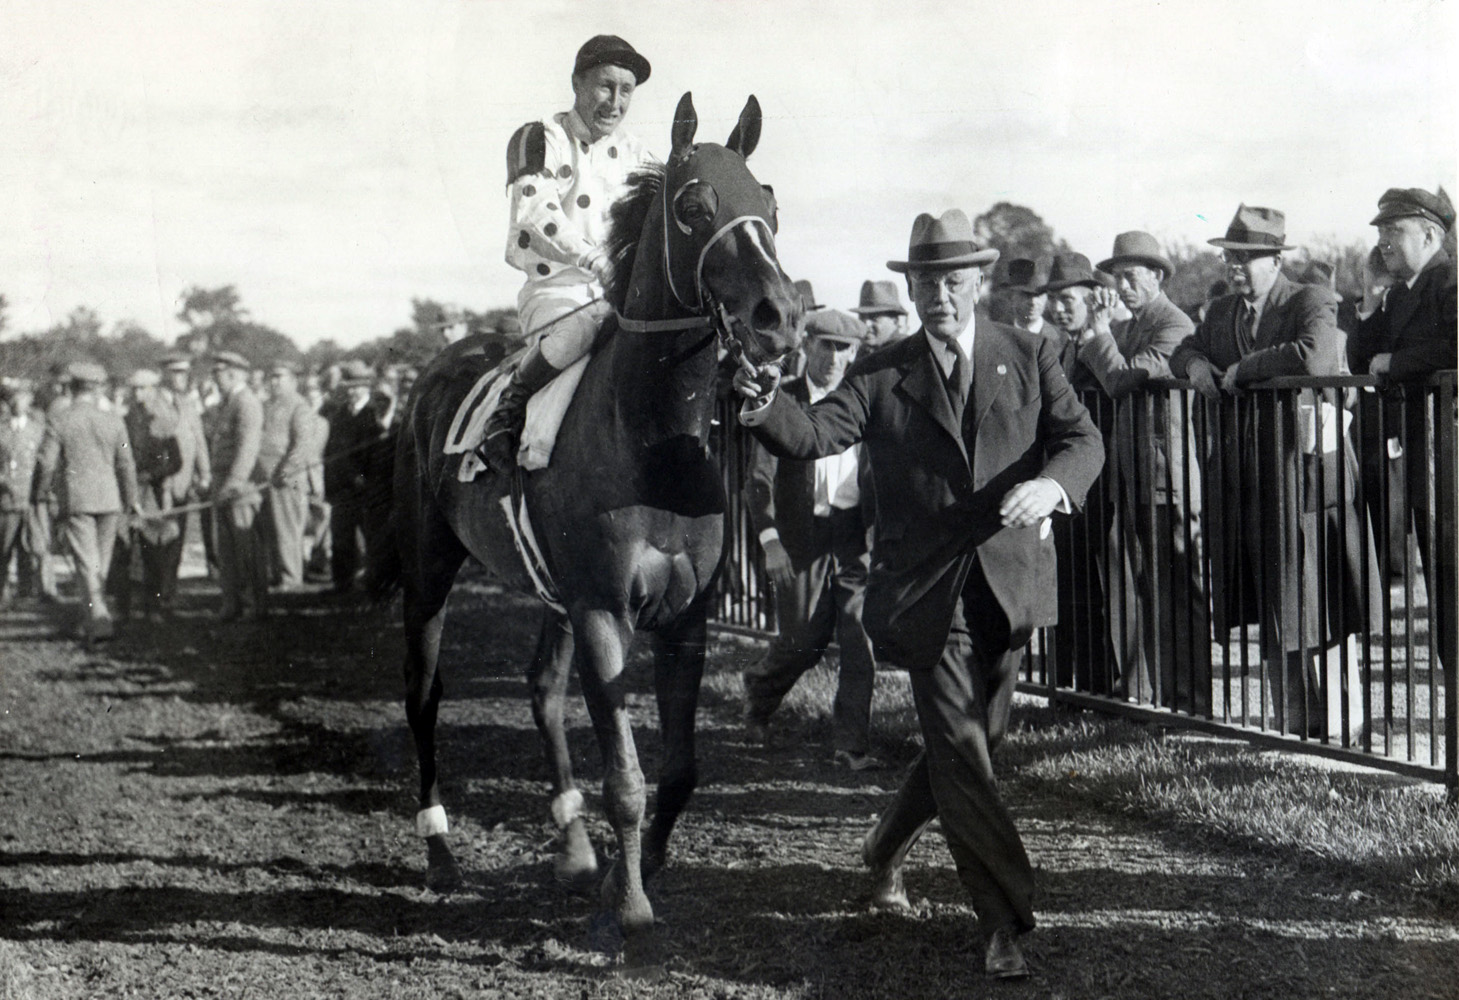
1279 564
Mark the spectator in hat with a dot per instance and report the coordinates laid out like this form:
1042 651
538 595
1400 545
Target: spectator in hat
354 432
1024 296
978 427
880 308
563 174
1158 617
194 479
238 491
154 545
1264 564
86 458
1084 656
1407 333
809 518
316 529
283 456
21 433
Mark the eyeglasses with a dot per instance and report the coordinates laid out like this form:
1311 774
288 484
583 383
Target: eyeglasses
1240 258
954 281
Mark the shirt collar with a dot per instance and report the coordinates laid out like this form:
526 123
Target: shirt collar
943 353
578 129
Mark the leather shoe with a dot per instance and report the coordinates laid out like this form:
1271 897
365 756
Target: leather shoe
1004 959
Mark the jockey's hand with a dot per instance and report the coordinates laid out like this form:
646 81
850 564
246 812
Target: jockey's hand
758 385
777 565
1203 377
1029 502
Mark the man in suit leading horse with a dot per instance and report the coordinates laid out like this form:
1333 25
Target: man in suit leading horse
564 173
978 438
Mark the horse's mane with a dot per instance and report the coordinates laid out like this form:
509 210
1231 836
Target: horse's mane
625 225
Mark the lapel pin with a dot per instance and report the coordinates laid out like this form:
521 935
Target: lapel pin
1002 369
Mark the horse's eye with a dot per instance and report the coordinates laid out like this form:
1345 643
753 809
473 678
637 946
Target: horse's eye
695 205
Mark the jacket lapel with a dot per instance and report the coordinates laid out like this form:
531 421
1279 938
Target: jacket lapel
923 383
987 371
1408 301
1265 334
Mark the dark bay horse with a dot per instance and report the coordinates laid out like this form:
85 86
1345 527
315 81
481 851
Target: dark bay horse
629 515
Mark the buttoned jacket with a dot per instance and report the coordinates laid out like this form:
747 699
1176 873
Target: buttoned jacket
1297 335
20 449
192 445
1416 325
237 433
87 459
941 477
284 444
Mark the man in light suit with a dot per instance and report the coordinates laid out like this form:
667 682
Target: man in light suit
284 453
87 458
195 476
1406 334
808 517
980 439
238 492
21 433
1159 616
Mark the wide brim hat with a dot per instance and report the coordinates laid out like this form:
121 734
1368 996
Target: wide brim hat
356 372
1136 247
144 378
231 359
807 295
1253 228
833 324
1022 275
1403 203
177 363
942 244
879 298
611 50
88 372
1070 269
283 368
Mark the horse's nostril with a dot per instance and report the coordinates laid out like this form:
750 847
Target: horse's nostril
766 316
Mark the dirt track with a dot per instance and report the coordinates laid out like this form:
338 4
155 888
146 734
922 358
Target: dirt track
225 811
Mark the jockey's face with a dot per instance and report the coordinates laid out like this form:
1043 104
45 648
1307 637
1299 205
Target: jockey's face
601 97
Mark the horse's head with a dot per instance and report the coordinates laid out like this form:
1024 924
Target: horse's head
719 239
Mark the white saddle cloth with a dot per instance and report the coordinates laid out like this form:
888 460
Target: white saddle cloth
545 411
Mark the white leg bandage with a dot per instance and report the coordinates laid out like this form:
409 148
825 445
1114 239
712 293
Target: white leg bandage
430 822
567 807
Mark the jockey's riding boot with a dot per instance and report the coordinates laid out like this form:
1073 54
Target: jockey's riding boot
503 431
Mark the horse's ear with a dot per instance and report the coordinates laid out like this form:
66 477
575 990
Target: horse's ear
746 135
686 122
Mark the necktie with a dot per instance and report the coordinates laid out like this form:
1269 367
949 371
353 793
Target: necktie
1244 331
959 380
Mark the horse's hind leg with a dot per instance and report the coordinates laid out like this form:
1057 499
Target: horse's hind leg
430 561
678 670
547 677
602 641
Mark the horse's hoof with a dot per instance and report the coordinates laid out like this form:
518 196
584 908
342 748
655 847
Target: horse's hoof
577 873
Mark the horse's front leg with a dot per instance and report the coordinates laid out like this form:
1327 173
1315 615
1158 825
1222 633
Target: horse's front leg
678 670
602 643
547 677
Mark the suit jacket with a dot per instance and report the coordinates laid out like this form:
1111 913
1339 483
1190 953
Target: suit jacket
941 477
283 450
20 450
192 445
318 441
353 441
1416 325
781 493
86 457
1149 449
1297 336
237 432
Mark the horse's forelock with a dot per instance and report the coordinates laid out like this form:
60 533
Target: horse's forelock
625 226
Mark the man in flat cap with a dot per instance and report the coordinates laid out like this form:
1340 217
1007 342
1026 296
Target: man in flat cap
87 458
880 308
808 516
1161 623
563 174
1405 334
283 455
238 490
1270 326
21 433
978 427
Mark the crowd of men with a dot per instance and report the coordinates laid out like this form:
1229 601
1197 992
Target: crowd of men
286 477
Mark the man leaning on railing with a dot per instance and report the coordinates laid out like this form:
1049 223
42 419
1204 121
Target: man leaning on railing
1407 332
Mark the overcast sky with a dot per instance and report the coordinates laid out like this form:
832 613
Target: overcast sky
334 159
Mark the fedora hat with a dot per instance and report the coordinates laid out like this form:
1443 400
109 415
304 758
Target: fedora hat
230 359
942 244
1255 229
1400 203
86 372
1072 269
833 324
807 296
1138 248
879 298
356 372
1023 275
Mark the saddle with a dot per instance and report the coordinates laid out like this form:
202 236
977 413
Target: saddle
545 411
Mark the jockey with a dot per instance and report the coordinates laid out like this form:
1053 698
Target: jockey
564 173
